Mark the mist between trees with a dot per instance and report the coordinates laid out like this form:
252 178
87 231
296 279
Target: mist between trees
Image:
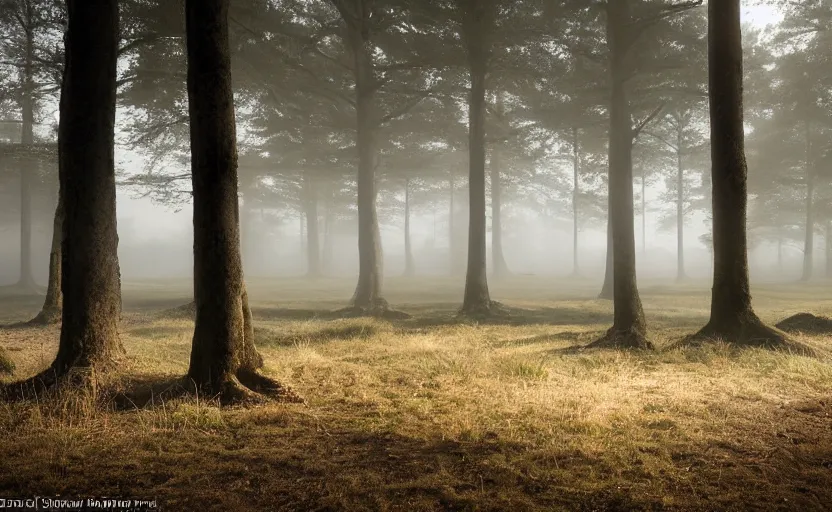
546 127
481 138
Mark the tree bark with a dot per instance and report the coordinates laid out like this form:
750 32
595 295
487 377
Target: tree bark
452 260
498 258
223 361
680 204
629 326
607 287
643 211
477 300
313 241
576 167
732 318
90 282
367 298
50 312
409 263
809 241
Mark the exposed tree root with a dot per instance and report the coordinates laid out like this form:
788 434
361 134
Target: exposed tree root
247 387
46 316
630 339
243 389
52 381
378 308
269 387
748 332
807 323
483 311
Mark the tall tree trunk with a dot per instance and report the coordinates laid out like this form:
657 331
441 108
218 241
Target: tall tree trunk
409 264
732 318
223 360
50 312
680 206
629 326
576 167
329 218
607 287
497 256
313 244
452 260
86 169
809 242
643 211
28 164
477 300
368 292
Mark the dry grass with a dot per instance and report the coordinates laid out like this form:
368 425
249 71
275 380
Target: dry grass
426 414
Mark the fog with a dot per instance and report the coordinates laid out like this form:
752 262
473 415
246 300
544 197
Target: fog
156 240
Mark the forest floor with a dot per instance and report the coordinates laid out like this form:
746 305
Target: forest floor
431 414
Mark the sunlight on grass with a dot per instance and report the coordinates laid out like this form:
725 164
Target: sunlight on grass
479 407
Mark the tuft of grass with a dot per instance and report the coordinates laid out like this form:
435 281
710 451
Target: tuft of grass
6 364
523 369
182 415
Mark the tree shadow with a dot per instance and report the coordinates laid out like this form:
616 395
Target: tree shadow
141 391
270 337
287 458
278 313
294 461
510 316
578 340
147 305
156 332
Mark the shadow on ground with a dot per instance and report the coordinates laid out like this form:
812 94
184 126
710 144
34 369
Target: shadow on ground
289 458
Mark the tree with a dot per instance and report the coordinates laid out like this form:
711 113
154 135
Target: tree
498 260
29 28
379 55
629 326
45 155
733 320
681 134
89 252
50 312
478 19
792 132
224 360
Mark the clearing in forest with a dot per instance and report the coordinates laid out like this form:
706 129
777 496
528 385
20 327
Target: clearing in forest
426 413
